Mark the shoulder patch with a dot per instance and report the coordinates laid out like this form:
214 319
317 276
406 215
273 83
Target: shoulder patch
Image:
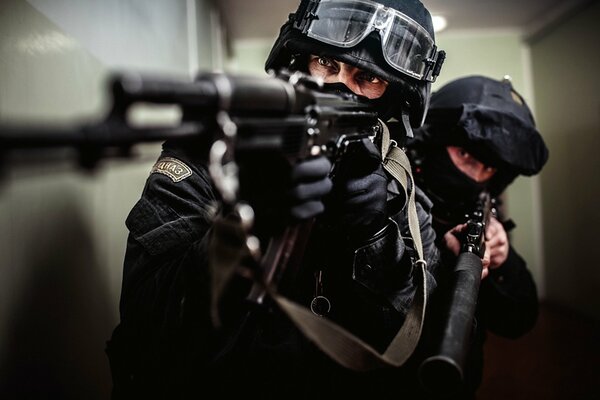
173 168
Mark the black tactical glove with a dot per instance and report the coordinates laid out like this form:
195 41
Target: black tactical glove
282 194
357 203
310 183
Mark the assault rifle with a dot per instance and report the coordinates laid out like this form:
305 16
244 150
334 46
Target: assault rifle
442 373
289 113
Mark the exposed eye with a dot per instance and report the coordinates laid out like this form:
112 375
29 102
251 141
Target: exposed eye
370 78
321 65
325 62
463 153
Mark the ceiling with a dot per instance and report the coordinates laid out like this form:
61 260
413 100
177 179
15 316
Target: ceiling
254 19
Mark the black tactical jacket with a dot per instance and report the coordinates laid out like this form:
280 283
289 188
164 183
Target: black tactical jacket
166 346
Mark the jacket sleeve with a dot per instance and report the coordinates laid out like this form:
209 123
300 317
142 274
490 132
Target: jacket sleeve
165 266
508 302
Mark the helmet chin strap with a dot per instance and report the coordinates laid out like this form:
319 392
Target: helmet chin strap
406 123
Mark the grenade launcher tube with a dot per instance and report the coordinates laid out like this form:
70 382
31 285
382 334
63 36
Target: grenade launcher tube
443 372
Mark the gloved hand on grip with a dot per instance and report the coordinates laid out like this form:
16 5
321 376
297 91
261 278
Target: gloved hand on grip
358 200
310 182
282 194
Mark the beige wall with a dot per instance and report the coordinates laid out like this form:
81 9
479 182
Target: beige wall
63 236
249 56
567 90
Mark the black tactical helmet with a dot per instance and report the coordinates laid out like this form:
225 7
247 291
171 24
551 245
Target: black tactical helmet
490 120
416 64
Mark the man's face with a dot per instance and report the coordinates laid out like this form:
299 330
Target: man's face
360 82
469 165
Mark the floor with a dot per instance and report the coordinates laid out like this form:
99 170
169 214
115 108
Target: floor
558 359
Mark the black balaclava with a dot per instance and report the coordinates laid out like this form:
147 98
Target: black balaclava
452 192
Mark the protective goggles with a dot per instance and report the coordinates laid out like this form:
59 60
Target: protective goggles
406 45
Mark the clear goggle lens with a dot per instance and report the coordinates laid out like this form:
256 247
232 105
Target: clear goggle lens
406 45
